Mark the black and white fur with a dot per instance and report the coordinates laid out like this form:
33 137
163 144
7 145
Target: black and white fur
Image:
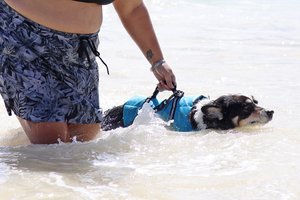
226 112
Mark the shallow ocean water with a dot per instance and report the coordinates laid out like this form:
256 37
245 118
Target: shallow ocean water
215 47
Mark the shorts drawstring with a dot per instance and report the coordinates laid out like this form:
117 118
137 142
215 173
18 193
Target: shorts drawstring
84 43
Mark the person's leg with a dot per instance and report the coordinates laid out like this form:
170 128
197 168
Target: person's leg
84 132
45 132
51 132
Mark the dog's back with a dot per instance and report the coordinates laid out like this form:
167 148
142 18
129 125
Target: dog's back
192 113
175 109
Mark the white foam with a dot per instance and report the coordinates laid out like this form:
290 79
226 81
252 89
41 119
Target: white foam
217 48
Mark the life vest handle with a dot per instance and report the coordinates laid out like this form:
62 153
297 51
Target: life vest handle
154 95
177 93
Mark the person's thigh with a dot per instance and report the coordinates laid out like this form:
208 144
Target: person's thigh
45 132
84 132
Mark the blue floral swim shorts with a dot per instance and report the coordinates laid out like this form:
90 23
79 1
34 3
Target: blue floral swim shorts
47 75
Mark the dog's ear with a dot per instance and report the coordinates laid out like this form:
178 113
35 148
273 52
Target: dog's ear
254 100
212 112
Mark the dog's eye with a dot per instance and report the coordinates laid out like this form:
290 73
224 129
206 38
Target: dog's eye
246 111
253 122
249 107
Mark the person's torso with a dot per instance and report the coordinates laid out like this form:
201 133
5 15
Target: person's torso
100 2
63 15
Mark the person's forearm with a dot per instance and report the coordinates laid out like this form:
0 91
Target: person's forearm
139 26
136 20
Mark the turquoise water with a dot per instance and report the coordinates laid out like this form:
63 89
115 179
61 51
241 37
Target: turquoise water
215 48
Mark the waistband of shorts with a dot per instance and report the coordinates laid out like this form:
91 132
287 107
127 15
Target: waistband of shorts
45 28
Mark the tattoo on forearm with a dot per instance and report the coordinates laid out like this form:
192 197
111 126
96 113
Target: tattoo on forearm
149 55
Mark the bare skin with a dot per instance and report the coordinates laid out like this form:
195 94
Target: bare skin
52 132
77 17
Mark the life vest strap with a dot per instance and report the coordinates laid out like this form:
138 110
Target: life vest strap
175 97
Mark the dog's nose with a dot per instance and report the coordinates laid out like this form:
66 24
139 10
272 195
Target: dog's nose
270 113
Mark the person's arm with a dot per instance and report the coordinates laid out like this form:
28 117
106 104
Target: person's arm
136 20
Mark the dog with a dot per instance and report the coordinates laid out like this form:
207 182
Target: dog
188 113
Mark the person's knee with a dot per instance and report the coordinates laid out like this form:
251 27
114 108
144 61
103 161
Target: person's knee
45 132
83 132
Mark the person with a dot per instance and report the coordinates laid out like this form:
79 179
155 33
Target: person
48 69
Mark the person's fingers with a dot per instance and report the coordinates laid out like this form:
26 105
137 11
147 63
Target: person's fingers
169 81
174 81
165 77
164 85
160 87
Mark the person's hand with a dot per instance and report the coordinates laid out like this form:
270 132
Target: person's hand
165 77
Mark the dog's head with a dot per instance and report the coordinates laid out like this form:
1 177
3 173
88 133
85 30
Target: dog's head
230 111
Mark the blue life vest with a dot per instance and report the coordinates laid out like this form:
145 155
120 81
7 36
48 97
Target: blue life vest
181 114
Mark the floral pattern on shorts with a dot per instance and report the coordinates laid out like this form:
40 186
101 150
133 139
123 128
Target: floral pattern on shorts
47 75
